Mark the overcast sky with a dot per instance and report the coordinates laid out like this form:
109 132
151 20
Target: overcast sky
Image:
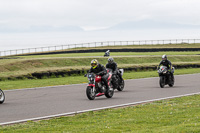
39 23
94 14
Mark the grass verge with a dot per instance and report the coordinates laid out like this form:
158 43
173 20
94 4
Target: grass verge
19 84
177 115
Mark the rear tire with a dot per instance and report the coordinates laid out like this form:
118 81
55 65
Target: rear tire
121 85
172 82
162 82
90 94
109 93
2 97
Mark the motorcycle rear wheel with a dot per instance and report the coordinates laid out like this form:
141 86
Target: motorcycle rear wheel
109 93
172 82
121 85
162 82
90 94
2 97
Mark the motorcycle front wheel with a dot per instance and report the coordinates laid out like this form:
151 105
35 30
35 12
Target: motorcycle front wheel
90 94
121 86
2 97
162 81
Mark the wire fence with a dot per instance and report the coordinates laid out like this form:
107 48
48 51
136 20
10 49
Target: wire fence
96 44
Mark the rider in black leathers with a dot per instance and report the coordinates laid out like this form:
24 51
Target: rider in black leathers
99 70
113 65
167 63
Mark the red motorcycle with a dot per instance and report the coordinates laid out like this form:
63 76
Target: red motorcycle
97 88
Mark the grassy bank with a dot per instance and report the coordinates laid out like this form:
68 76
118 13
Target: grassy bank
18 84
24 66
179 115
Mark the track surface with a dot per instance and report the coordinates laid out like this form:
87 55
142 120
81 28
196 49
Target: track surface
38 102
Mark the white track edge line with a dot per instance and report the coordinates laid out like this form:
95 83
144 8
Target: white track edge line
95 109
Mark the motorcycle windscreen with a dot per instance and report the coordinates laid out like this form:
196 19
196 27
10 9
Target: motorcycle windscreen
122 71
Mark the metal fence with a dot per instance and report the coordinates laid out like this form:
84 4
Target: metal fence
96 44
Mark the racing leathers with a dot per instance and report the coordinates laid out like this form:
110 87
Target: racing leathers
113 66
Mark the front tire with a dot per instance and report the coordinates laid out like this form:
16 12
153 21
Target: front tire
90 94
162 81
2 97
121 85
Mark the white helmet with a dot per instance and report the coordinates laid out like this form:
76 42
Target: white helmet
164 57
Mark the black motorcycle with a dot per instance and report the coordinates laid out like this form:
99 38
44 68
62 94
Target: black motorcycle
107 53
117 82
165 77
2 97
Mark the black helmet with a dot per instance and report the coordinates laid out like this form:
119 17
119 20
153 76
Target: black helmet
94 63
110 60
164 57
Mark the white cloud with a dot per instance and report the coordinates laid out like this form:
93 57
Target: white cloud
94 14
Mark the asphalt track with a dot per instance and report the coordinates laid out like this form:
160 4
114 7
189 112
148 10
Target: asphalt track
33 103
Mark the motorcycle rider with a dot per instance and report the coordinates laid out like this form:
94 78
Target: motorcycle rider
167 63
113 65
99 69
